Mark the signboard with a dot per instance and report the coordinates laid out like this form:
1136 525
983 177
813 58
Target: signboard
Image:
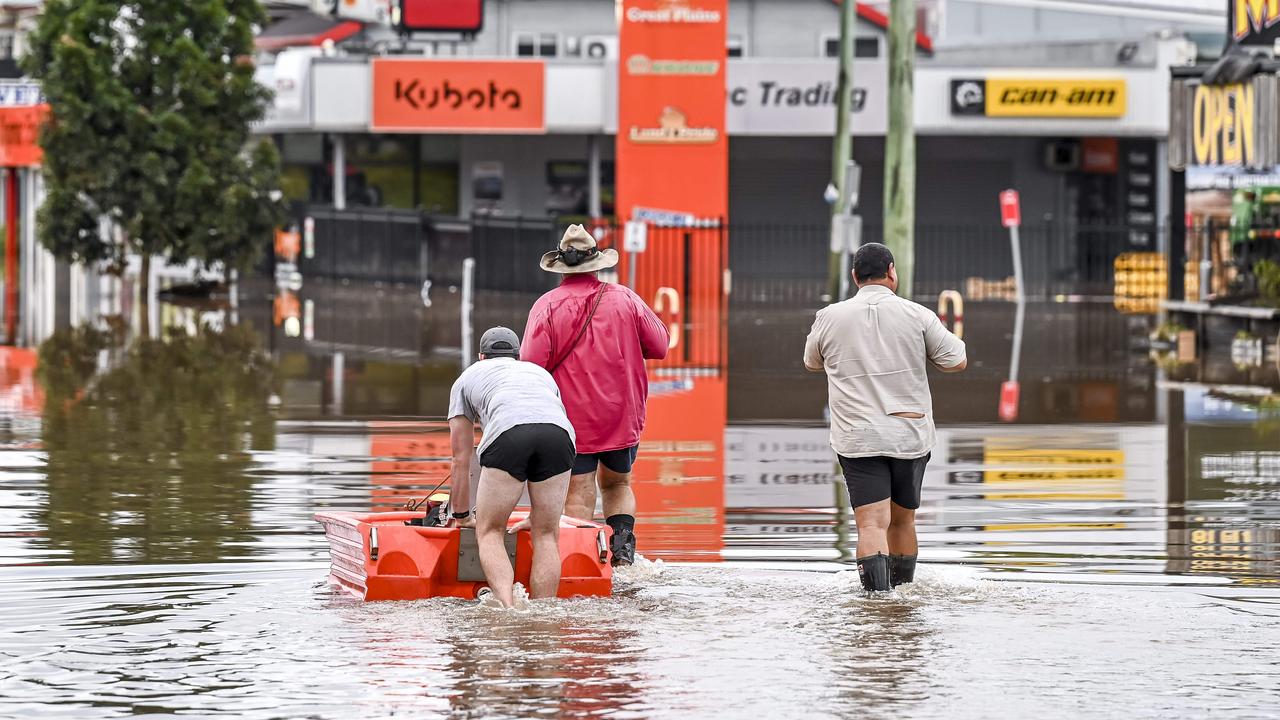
1039 97
1254 22
497 96
464 16
787 98
1223 125
19 133
672 152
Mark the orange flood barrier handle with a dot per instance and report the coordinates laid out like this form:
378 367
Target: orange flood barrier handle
949 300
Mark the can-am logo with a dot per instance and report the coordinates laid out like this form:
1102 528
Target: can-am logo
673 11
673 127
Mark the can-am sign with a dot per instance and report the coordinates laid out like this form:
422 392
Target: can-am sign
1039 97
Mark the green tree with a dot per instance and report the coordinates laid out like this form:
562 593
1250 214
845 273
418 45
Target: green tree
151 102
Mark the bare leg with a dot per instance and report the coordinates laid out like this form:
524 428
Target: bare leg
617 494
497 497
581 500
873 524
902 531
547 498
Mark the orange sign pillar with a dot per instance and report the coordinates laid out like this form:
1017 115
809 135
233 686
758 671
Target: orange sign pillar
673 174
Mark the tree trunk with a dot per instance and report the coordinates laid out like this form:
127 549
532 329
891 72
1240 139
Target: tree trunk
900 146
144 297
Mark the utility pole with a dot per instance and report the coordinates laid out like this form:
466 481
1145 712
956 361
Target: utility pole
900 145
842 143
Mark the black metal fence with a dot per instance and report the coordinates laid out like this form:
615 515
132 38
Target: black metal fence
770 263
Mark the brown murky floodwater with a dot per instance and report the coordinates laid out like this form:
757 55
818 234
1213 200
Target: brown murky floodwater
1116 552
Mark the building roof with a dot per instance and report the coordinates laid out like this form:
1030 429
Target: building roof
877 18
295 28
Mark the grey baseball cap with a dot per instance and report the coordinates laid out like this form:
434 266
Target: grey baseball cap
499 341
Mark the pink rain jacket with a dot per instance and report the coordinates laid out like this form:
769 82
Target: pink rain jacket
602 380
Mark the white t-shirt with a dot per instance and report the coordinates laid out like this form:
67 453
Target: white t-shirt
501 393
874 348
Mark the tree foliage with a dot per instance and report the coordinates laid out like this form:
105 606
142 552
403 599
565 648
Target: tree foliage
151 102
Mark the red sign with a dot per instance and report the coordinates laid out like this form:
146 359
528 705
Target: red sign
1010 209
464 16
1010 391
498 96
19 132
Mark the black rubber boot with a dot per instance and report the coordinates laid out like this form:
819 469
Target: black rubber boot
623 544
874 572
902 569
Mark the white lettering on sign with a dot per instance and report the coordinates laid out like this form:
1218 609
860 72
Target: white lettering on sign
21 95
675 13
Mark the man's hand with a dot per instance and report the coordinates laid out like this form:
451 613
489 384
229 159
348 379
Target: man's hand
522 525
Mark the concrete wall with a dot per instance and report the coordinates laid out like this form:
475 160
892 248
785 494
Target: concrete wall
524 165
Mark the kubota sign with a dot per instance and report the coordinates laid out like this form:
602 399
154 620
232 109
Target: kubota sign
413 95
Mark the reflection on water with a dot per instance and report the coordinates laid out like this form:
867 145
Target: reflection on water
147 458
157 552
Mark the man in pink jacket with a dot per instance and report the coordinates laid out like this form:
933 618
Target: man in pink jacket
593 338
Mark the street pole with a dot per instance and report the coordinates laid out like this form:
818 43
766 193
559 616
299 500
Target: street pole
842 143
900 145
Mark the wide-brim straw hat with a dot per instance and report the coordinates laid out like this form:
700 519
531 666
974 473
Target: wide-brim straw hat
578 245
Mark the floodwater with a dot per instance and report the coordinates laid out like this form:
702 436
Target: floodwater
1115 552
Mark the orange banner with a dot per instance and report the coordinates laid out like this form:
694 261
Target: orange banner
672 153
504 96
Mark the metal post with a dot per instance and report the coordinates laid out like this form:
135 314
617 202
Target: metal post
339 172
1022 303
900 144
593 177
339 381
842 146
468 290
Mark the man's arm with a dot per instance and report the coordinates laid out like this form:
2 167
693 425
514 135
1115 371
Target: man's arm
813 361
462 437
945 351
655 339
536 346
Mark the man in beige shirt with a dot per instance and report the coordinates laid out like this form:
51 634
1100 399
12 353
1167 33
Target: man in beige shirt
874 348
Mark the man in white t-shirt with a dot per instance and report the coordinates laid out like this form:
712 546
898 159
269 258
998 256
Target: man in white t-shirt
527 439
874 348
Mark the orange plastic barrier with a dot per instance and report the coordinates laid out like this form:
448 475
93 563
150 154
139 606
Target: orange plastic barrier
375 556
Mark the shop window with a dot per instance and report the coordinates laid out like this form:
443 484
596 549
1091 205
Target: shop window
735 46
536 44
863 47
568 188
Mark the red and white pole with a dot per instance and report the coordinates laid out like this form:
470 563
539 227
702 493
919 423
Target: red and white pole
1010 390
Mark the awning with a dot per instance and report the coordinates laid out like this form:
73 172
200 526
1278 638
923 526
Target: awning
303 29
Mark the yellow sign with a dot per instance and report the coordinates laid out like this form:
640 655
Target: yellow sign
1223 127
1035 456
1251 18
1081 97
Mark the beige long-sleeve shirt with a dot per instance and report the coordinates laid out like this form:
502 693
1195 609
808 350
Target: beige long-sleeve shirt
875 348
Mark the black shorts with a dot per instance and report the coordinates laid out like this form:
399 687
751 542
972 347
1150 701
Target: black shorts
530 452
872 479
619 461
